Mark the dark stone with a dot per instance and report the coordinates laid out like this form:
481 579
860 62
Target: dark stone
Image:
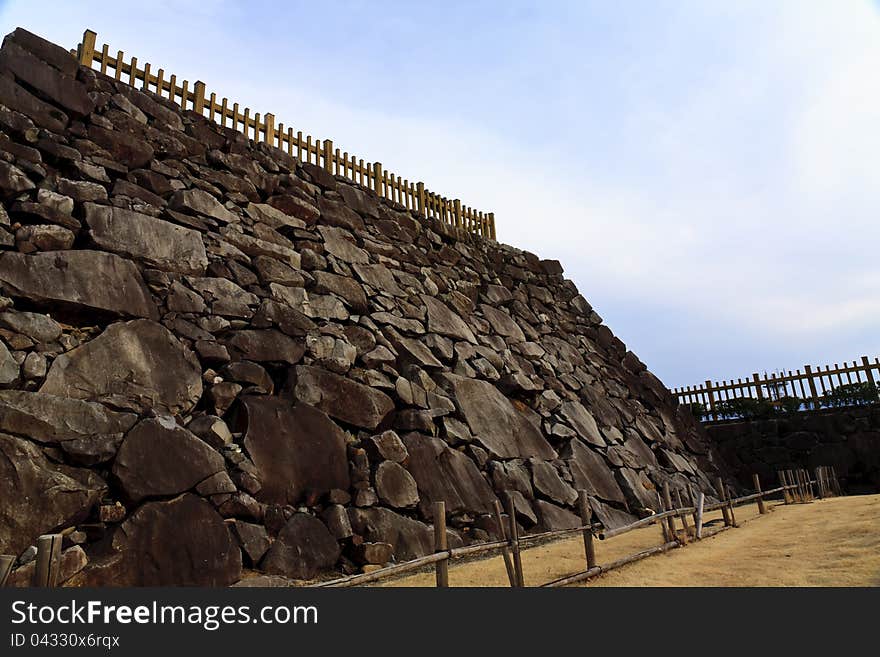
408 538
552 518
297 449
446 475
341 398
179 542
157 243
158 457
51 419
39 496
304 547
266 345
48 81
69 277
123 147
253 539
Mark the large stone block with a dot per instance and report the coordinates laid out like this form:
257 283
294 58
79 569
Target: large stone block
138 365
68 278
157 243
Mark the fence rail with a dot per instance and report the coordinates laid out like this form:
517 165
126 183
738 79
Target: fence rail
810 386
413 196
796 486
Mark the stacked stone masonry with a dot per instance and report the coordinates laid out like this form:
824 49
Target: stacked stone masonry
846 438
217 362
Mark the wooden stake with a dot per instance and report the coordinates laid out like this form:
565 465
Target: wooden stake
719 486
698 530
664 526
48 560
667 502
441 568
729 497
586 519
6 561
785 496
505 552
514 541
684 520
756 480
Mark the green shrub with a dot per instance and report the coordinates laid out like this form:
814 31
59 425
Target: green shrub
698 410
789 404
852 394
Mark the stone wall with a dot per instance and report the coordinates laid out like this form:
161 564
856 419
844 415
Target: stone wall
847 438
214 358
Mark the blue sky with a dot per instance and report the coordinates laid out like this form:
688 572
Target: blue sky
706 171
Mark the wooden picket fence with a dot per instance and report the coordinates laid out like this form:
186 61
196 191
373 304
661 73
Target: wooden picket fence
412 196
796 486
809 385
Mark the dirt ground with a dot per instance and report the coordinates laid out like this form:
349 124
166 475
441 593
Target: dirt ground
834 542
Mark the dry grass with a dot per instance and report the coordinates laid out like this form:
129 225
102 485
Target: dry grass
832 542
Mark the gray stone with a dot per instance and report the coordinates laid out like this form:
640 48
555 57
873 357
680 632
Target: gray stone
496 423
51 419
395 486
339 242
46 496
157 243
266 345
69 277
197 201
582 422
445 322
341 398
138 365
44 238
9 370
590 472
39 328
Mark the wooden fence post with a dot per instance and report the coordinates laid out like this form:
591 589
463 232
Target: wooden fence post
729 497
684 522
269 121
664 526
586 518
814 395
199 102
420 197
86 54
505 551
492 225
514 541
785 496
456 211
377 179
441 568
719 486
698 530
710 396
757 481
819 484
48 560
836 481
328 155
667 502
6 561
